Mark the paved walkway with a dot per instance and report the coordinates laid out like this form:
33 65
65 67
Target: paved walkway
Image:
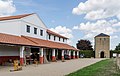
53 69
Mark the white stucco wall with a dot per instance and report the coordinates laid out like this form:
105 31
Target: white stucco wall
10 27
18 27
9 51
31 34
33 21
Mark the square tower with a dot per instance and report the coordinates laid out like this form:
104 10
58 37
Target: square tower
102 46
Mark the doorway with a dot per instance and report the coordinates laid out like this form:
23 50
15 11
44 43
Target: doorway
59 54
71 54
102 54
35 54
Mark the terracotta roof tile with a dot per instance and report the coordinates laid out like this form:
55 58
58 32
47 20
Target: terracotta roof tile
56 34
14 17
11 39
50 44
30 41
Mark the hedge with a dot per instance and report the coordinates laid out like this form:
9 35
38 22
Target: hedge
87 53
114 51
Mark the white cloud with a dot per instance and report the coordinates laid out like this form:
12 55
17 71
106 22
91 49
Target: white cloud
91 29
113 21
75 27
98 9
7 7
116 24
89 35
114 37
64 31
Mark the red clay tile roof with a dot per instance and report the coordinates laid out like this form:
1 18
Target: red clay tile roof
53 33
50 44
30 41
14 17
11 39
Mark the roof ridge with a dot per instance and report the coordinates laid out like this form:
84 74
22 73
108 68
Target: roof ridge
101 34
54 33
14 17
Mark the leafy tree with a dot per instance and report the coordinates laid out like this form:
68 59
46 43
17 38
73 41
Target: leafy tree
84 45
117 47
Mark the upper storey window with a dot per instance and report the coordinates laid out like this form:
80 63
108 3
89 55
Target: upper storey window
28 28
59 38
54 38
41 32
49 36
63 40
35 30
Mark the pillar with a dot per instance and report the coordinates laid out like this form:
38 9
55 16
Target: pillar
69 54
77 54
22 48
53 55
73 54
41 56
57 54
62 54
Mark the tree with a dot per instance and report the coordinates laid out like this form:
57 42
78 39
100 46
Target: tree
117 47
84 45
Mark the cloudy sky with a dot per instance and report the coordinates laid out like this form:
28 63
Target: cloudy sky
76 19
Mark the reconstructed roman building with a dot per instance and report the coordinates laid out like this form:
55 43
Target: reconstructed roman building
102 46
26 38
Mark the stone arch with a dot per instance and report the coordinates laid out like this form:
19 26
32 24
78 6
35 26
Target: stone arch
102 54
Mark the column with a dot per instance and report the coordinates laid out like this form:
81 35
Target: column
62 55
53 55
77 54
69 54
73 54
41 56
57 55
22 48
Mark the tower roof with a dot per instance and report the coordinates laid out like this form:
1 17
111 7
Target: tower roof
102 35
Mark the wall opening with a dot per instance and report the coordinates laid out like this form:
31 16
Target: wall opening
102 54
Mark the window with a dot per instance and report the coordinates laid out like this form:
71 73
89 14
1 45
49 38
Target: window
63 40
54 38
28 28
49 36
41 32
59 38
104 39
35 30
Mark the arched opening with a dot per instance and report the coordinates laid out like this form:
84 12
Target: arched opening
102 54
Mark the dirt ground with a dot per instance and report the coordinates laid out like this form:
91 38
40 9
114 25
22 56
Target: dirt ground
52 69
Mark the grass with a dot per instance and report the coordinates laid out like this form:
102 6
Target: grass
106 67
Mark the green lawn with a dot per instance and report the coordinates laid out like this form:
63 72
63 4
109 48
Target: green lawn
103 68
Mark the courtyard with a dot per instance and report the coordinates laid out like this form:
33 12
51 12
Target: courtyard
52 69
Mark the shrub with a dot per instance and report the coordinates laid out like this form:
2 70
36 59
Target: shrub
87 53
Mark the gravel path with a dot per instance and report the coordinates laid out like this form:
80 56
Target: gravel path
53 69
